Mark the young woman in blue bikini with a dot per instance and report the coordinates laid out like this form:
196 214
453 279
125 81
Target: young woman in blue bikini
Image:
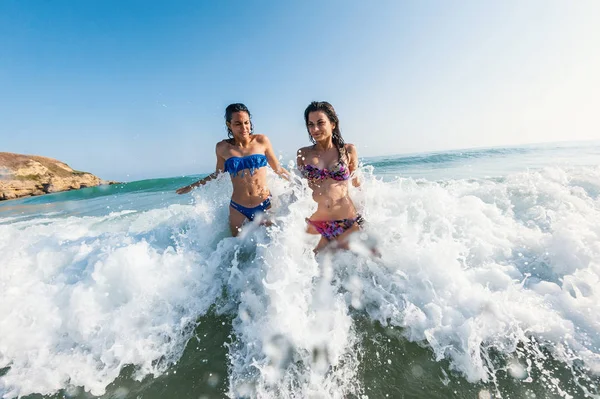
328 165
245 156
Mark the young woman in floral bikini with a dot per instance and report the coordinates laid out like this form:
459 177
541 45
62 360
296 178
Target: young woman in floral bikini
328 165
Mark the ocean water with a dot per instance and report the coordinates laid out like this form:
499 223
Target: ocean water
488 286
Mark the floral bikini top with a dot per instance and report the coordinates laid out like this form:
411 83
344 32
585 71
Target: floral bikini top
339 172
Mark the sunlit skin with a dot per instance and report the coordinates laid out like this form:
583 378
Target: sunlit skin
331 196
249 190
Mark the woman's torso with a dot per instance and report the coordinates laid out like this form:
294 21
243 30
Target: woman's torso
248 172
328 178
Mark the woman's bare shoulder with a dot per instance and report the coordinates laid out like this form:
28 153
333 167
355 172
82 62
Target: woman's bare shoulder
222 147
305 150
260 138
351 148
223 144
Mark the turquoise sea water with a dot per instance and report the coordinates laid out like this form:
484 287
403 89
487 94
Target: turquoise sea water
488 285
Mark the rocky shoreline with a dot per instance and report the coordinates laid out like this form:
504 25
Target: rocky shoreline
29 175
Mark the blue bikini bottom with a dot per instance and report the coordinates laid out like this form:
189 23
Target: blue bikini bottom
250 213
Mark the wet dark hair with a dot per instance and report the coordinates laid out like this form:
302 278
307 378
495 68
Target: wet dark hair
328 109
233 108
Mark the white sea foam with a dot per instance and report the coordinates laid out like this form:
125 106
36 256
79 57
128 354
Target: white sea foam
473 268
82 297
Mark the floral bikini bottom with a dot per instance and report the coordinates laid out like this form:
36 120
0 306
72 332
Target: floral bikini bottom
330 229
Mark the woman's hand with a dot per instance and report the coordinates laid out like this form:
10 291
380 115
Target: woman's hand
220 167
184 190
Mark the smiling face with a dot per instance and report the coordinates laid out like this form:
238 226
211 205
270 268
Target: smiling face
240 126
319 126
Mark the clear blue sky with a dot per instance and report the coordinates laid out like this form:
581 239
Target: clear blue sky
137 89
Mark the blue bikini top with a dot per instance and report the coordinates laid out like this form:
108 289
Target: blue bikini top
234 165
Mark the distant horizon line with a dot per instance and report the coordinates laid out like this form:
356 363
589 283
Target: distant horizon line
199 175
537 143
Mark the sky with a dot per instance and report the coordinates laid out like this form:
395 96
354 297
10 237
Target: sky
130 90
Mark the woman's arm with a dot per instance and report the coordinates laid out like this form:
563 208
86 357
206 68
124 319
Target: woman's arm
218 170
353 163
300 159
272 159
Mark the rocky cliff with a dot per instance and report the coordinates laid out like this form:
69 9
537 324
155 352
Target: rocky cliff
26 175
